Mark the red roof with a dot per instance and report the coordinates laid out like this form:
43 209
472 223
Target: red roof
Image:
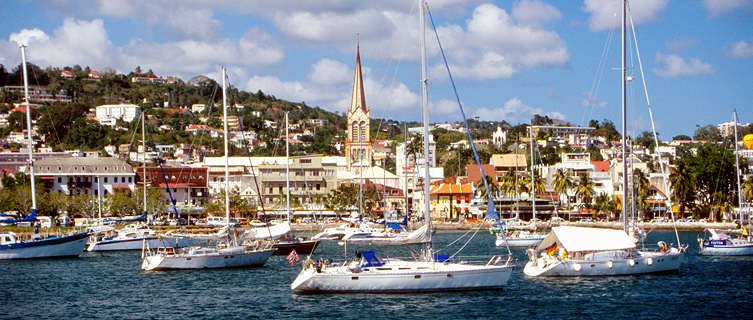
601 166
21 109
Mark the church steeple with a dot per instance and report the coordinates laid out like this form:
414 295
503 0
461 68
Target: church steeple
359 99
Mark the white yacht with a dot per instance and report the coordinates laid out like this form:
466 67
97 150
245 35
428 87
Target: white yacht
428 272
728 243
133 238
579 251
228 254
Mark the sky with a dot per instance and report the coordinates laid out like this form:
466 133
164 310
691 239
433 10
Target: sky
509 59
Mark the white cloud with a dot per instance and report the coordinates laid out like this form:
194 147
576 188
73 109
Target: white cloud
607 14
66 46
329 84
534 12
514 111
590 100
741 49
718 7
671 65
183 18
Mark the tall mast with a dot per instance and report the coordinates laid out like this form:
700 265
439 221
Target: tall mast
624 123
737 171
425 107
405 173
143 146
28 126
287 165
227 152
517 196
533 181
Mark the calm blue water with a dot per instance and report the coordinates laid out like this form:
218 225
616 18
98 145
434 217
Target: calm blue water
110 285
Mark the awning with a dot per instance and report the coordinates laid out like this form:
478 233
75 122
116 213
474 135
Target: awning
575 239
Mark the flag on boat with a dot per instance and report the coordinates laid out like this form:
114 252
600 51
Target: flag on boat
292 257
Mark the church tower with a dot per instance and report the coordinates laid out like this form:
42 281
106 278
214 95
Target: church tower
358 142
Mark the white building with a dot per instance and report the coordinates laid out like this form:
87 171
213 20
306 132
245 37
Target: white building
414 160
108 114
499 137
85 175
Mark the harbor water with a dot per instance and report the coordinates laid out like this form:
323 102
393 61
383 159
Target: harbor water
111 286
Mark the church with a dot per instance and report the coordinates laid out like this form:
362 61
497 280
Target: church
358 148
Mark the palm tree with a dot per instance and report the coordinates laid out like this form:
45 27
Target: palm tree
747 190
538 183
507 183
641 186
482 190
683 182
604 203
562 183
584 190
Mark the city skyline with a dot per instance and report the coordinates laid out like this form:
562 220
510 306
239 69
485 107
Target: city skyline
510 59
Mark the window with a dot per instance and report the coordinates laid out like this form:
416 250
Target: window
105 179
122 179
60 180
129 179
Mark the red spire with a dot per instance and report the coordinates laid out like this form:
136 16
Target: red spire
359 99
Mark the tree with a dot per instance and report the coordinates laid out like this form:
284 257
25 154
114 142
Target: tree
562 183
708 133
481 189
584 189
603 203
683 182
120 205
682 137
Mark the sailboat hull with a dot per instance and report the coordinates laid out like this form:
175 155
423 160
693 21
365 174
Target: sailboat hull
645 263
518 242
283 247
207 258
71 245
726 250
136 243
402 277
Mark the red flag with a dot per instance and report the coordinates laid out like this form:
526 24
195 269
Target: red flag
292 257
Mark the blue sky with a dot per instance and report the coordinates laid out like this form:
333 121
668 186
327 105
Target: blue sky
510 59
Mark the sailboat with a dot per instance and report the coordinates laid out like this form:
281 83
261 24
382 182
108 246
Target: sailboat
133 236
11 246
578 251
525 236
428 273
252 253
359 232
286 245
718 243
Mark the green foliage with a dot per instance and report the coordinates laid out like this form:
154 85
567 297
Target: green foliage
707 133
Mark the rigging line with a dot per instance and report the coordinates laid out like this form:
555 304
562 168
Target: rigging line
664 174
596 83
491 207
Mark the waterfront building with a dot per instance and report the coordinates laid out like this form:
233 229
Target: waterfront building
504 163
13 161
85 175
451 198
188 185
358 141
403 159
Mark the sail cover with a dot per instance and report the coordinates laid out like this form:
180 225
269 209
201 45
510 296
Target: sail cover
575 239
272 232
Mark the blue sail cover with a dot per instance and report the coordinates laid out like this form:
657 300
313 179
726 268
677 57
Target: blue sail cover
491 211
395 226
30 218
370 258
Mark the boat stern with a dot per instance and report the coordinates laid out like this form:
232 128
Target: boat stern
303 281
152 262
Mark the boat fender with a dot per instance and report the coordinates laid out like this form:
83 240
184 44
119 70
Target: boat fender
610 264
576 267
650 261
631 262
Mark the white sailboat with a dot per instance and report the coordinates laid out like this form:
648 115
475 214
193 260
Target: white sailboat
225 255
369 274
133 236
11 246
527 236
578 251
735 243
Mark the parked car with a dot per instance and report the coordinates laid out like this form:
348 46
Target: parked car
556 220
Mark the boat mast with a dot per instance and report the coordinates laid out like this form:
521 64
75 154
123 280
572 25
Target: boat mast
624 123
287 165
533 181
517 196
632 184
405 173
30 142
425 107
737 172
143 146
227 170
